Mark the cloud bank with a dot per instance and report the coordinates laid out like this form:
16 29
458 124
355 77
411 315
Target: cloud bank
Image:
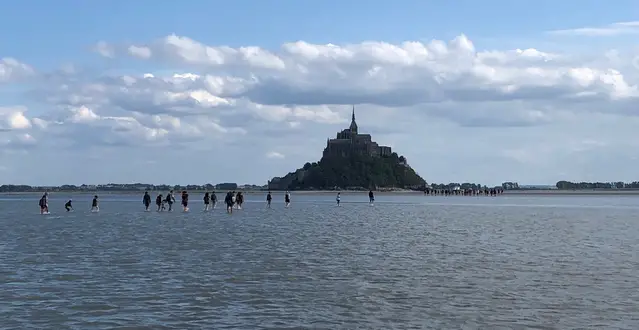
209 113
615 29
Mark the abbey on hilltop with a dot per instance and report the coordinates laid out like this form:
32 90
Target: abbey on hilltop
352 161
349 141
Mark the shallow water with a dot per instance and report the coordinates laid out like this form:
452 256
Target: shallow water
408 262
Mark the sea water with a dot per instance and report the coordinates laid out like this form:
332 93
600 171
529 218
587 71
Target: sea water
411 261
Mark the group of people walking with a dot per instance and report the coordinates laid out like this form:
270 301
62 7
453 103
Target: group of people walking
163 201
232 200
44 204
210 201
371 198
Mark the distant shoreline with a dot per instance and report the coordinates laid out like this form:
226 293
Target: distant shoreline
523 192
578 192
221 191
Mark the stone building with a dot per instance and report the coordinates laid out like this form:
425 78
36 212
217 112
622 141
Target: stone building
349 141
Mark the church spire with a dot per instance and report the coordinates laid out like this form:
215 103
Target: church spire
353 127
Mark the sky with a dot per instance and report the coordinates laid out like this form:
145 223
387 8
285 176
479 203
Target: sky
196 92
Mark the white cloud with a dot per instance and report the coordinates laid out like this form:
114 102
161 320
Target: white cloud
274 155
141 52
104 49
13 119
613 29
189 51
26 139
456 111
11 69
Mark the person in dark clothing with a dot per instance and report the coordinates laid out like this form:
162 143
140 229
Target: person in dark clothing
228 200
170 200
159 202
68 206
269 198
185 201
213 200
371 197
94 204
207 201
287 199
240 200
44 204
146 200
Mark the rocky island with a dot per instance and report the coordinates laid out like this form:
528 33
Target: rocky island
352 161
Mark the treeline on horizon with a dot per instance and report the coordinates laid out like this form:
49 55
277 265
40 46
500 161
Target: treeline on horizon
207 187
123 187
561 185
567 185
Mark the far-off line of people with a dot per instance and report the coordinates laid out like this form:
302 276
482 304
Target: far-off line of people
464 192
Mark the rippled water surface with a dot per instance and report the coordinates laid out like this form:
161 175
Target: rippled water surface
409 262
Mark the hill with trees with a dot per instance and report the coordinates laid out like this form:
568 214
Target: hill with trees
353 172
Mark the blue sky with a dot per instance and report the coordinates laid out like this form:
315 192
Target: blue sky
278 101
66 28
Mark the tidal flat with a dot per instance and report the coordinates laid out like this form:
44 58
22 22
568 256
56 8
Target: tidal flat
408 262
